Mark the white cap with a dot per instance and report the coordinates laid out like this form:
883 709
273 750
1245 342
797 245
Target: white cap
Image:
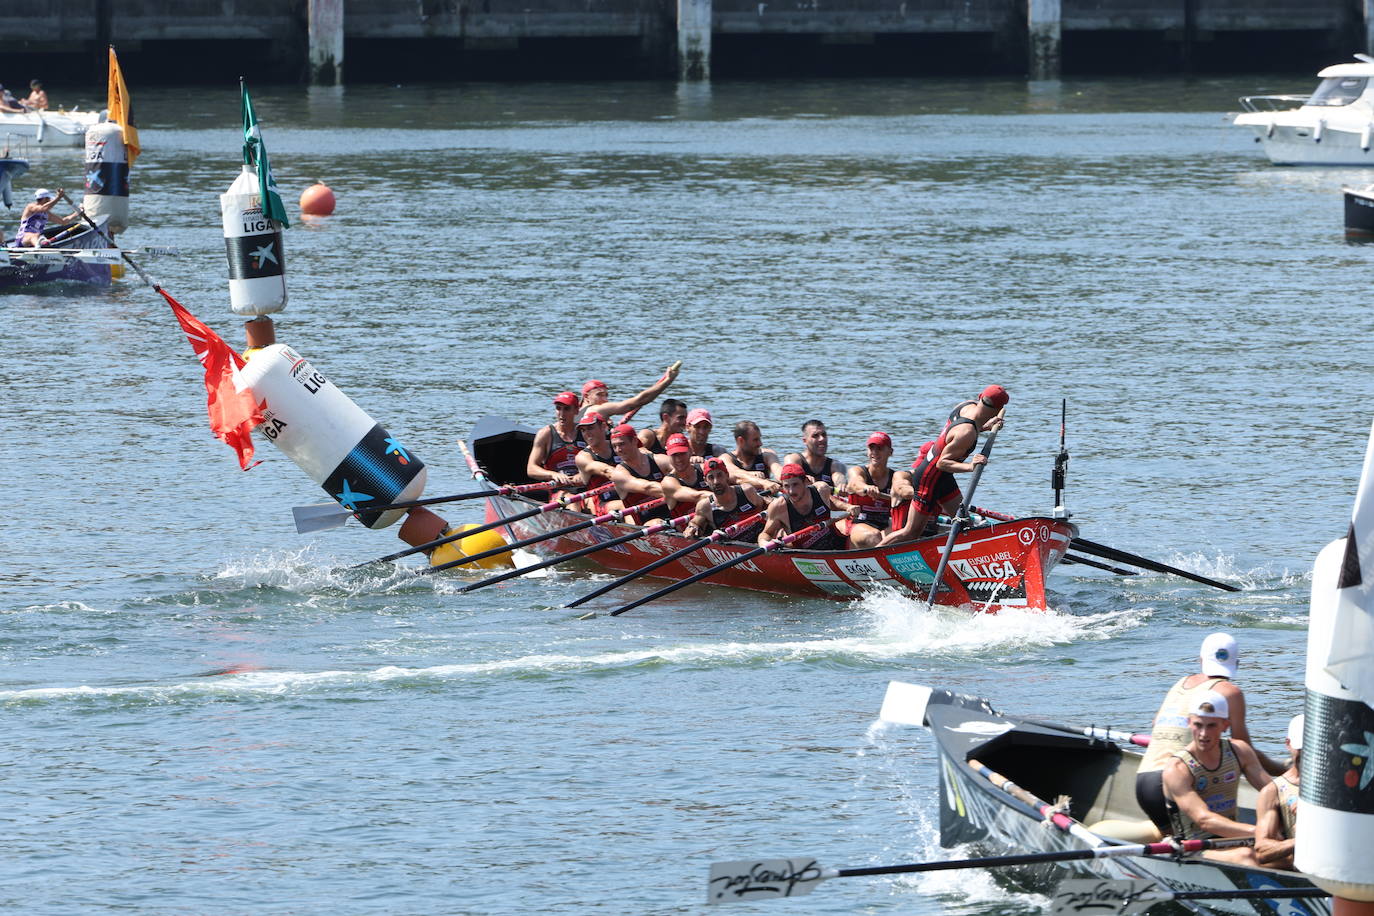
1295 732
1211 705
43 194
1219 655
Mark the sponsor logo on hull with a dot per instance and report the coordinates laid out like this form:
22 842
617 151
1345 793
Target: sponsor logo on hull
820 574
912 567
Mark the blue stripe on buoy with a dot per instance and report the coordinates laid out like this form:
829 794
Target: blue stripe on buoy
378 467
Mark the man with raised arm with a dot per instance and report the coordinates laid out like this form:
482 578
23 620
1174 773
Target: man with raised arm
818 466
596 397
672 415
750 462
553 457
802 505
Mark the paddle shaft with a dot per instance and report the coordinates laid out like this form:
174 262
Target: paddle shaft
959 520
1051 814
1084 561
1121 556
122 253
1092 731
724 534
327 513
733 561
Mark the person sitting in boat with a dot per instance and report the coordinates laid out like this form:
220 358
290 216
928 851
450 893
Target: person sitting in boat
870 488
35 219
819 467
750 462
38 99
596 461
935 489
553 457
1201 780
1276 811
638 478
8 103
801 505
1219 658
672 416
726 502
595 395
699 426
684 483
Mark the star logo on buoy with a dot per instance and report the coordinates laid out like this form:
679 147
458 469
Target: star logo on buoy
348 499
1363 753
262 255
394 447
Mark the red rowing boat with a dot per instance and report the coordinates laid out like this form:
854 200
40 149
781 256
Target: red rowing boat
993 566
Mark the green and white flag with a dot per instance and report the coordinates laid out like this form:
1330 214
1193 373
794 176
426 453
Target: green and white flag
255 154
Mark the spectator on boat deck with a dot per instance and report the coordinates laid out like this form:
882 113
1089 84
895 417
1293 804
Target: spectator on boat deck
596 397
802 505
8 103
38 99
35 218
1276 811
699 426
750 462
1201 780
672 415
819 467
1219 658
553 457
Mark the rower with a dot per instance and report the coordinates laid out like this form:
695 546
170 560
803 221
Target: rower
699 434
638 477
819 467
596 397
1276 810
934 475
1219 658
684 484
870 488
597 460
35 218
553 457
672 415
750 462
1201 780
725 503
801 505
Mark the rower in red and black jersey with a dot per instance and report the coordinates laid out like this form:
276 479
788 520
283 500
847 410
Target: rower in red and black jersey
683 483
553 457
750 462
699 425
672 416
597 460
725 504
870 488
812 458
638 477
933 478
802 505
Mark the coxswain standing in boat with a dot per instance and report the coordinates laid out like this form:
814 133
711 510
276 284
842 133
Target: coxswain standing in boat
725 503
801 505
638 477
699 426
672 416
1276 810
553 457
933 476
684 483
597 460
750 462
818 466
35 219
870 488
1201 780
595 395
1219 657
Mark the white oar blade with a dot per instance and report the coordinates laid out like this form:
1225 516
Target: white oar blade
319 517
905 704
763 879
1104 896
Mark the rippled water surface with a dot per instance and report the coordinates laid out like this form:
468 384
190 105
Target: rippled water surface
207 712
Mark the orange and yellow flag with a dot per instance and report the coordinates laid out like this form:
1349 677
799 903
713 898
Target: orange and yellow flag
122 108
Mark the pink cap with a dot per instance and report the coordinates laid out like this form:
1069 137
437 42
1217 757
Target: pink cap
566 398
699 415
623 431
591 385
792 470
995 395
591 418
880 438
714 464
677 444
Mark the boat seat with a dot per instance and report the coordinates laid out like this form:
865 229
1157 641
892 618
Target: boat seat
1140 831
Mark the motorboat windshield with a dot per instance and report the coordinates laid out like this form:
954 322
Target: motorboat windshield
1336 91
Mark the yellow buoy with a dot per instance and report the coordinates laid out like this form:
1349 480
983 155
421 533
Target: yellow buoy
471 546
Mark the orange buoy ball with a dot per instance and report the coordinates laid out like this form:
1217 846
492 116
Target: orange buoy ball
317 200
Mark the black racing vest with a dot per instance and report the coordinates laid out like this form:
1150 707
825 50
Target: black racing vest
722 518
824 473
758 467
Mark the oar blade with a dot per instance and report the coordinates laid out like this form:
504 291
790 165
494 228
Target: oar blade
1076 896
319 517
905 704
763 879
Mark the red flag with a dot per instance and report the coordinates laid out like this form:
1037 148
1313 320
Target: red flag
233 413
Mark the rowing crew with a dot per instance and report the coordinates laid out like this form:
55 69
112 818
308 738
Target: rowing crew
677 462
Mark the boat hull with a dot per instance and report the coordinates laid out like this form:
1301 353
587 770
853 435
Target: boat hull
1302 144
1359 213
50 128
28 267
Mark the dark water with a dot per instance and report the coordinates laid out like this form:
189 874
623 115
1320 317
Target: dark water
206 713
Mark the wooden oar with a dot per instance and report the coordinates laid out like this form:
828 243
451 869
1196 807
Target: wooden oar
561 503
1121 556
960 519
770 879
656 528
724 534
323 516
613 516
733 561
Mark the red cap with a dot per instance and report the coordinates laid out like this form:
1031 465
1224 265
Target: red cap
792 470
565 397
880 438
591 418
624 430
677 444
699 415
713 464
995 395
591 385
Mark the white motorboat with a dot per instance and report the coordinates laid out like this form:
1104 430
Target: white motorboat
49 128
1332 126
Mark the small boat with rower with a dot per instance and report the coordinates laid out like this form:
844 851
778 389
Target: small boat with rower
1334 125
77 254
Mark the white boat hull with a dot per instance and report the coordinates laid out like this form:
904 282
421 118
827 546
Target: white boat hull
1294 145
49 128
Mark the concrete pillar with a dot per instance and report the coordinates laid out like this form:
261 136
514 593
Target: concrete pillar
326 26
1045 33
694 39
